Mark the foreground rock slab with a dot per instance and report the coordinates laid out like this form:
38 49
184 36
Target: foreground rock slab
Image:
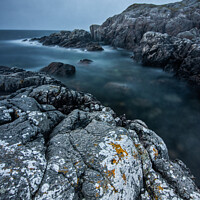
57 143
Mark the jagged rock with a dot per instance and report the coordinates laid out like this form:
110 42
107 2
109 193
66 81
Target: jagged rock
173 43
85 61
127 29
59 69
62 144
13 79
179 55
77 38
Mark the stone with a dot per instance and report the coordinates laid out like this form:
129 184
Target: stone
85 61
94 47
59 69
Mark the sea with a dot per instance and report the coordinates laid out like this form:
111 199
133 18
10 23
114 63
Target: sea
169 106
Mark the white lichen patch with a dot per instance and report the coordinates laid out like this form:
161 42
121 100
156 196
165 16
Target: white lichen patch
121 168
26 168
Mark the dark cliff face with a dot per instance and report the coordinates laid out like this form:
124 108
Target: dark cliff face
165 36
126 29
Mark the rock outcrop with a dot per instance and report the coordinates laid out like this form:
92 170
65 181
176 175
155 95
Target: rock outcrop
59 69
70 39
127 29
179 55
57 143
165 36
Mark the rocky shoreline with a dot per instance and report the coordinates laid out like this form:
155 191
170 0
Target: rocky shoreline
165 36
57 143
71 39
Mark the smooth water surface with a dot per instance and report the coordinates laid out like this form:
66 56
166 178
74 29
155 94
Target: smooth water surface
168 106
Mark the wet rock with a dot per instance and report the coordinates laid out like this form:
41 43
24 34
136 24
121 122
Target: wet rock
13 79
62 144
85 61
94 47
180 56
59 69
77 38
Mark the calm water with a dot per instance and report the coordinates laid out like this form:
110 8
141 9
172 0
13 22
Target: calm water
168 106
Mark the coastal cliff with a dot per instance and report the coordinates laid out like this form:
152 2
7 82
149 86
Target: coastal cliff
165 36
57 143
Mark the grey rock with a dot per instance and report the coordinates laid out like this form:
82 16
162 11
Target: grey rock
77 38
179 55
127 28
165 36
82 152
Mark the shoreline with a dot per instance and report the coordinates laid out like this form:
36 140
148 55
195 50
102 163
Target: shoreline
93 125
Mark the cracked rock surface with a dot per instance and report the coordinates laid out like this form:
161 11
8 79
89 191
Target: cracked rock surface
56 143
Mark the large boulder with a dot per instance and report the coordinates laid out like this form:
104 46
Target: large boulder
59 69
61 144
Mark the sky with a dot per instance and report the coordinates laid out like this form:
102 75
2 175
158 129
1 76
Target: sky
61 14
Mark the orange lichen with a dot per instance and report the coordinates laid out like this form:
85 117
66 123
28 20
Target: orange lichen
77 162
113 161
97 195
110 173
124 177
16 113
95 145
155 152
19 145
160 188
135 155
63 171
119 150
137 145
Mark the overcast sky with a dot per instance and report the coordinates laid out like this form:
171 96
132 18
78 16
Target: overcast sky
61 14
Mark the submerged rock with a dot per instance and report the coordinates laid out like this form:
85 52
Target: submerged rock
85 61
63 144
59 69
